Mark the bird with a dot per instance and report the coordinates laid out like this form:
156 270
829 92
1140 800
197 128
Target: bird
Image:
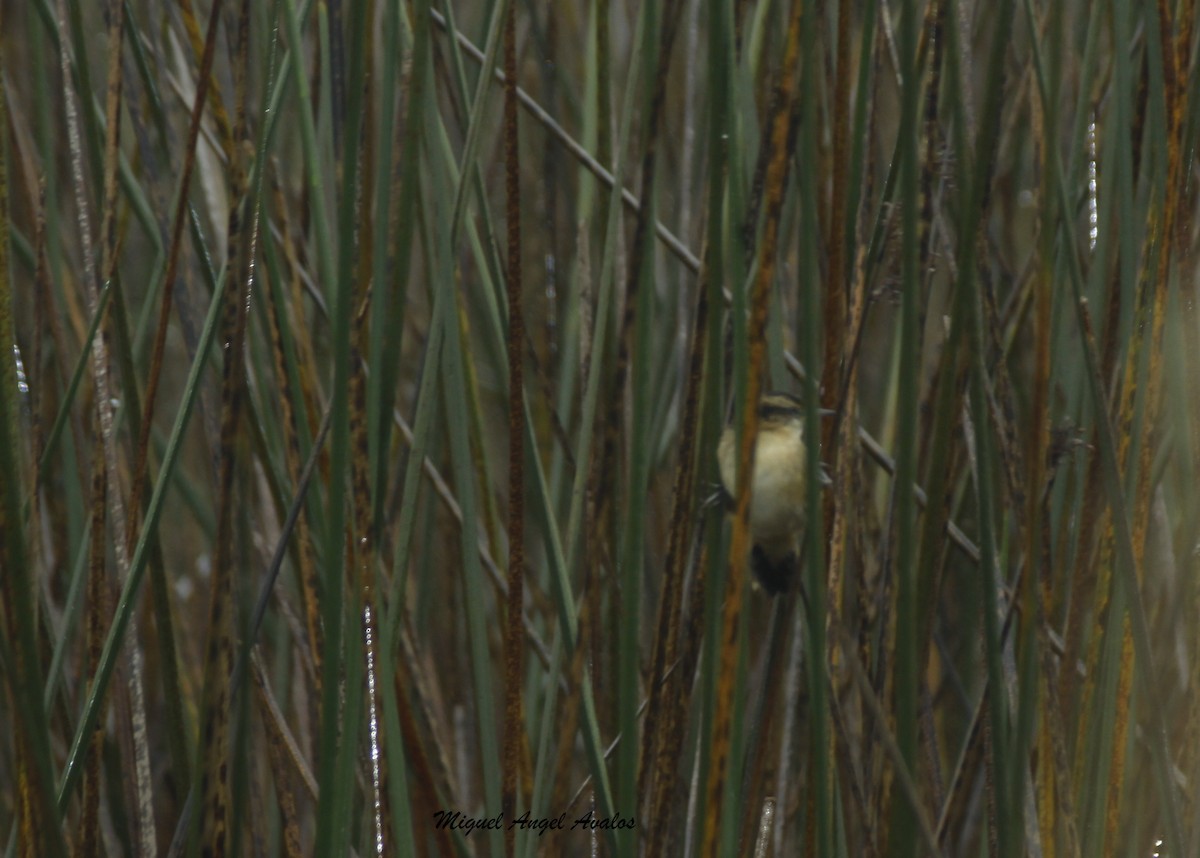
777 489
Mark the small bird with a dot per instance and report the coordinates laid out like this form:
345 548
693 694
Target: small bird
777 490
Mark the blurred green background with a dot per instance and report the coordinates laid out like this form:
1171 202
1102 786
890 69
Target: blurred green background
356 433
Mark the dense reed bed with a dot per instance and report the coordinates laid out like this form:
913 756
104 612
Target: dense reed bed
362 365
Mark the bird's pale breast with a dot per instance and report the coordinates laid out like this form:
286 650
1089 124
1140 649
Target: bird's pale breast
777 509
777 506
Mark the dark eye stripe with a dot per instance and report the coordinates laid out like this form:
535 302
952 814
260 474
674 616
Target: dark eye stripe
779 399
776 410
